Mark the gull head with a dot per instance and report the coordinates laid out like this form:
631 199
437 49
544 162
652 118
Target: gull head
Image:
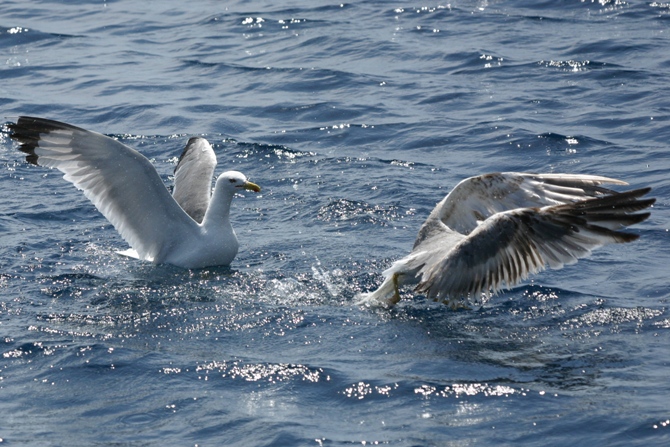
234 181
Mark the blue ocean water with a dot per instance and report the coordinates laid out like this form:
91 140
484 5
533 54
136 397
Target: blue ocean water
355 118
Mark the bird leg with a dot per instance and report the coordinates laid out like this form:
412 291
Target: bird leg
396 293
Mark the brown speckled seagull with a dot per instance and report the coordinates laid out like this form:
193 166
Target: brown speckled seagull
493 230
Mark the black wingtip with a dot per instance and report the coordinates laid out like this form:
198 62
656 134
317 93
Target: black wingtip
23 131
32 158
27 131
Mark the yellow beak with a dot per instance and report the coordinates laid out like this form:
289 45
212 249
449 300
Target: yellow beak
252 187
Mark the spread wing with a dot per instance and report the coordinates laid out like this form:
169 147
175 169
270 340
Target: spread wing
193 178
507 247
477 198
121 182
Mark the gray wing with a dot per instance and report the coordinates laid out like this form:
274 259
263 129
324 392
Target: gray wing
121 182
509 246
477 198
193 178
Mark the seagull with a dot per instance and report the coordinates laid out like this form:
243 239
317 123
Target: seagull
190 228
496 229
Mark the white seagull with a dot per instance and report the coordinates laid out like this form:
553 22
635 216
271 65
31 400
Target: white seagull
494 230
190 229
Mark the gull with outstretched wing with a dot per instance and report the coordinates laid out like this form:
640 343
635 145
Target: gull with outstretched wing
494 230
189 229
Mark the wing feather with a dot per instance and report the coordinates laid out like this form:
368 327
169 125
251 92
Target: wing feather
478 198
509 246
193 178
122 183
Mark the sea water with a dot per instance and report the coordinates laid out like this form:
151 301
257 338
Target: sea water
355 118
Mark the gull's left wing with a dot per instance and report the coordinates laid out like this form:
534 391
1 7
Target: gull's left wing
193 178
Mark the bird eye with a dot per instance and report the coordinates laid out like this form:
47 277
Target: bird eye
232 180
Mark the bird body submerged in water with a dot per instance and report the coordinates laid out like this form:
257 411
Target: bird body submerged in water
189 229
493 230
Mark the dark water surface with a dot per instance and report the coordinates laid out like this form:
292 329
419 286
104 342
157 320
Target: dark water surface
355 118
